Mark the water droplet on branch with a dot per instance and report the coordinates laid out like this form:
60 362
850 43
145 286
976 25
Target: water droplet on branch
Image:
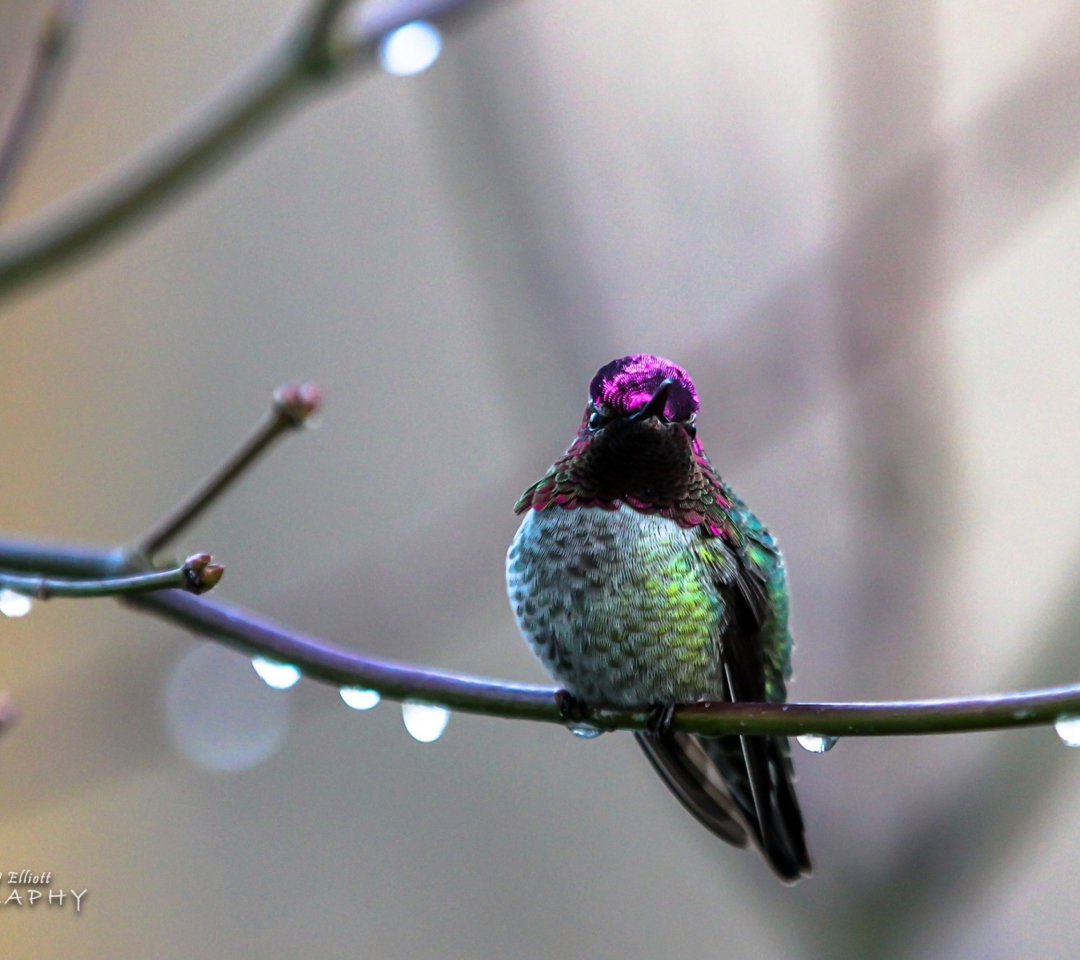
360 699
280 676
584 730
816 742
14 604
1068 728
424 721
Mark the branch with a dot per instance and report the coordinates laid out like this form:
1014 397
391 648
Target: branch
317 49
394 680
292 408
319 660
125 571
51 53
196 575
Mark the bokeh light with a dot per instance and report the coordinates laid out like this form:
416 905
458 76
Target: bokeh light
219 715
410 49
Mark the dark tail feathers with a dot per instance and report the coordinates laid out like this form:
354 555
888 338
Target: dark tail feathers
741 788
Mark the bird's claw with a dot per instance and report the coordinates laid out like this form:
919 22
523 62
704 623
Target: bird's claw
571 709
661 718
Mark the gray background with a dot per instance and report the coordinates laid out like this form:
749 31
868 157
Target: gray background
856 224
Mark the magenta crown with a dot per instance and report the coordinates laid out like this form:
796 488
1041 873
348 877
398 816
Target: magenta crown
627 384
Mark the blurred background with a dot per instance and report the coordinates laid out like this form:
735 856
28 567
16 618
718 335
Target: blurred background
855 223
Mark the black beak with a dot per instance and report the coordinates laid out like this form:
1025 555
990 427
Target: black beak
656 404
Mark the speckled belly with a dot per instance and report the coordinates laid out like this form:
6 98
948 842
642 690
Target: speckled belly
618 605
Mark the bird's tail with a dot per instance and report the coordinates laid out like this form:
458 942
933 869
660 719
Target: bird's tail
741 788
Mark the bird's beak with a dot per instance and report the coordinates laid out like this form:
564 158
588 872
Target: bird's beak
656 404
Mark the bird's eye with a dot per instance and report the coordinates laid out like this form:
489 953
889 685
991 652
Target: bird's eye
691 427
597 419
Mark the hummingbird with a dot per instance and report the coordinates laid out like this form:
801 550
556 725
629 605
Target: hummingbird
639 579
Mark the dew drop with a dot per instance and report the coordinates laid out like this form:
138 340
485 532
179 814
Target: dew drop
280 676
410 49
584 730
14 604
1068 728
424 721
816 742
360 699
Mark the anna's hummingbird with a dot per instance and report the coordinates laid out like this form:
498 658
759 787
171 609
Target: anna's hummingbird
639 579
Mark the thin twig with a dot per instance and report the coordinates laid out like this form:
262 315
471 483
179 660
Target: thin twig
62 559
50 55
292 408
309 54
196 575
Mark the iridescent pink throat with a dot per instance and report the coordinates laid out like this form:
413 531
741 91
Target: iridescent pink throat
700 501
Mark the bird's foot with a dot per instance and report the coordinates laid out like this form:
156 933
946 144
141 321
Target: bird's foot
575 715
661 718
571 709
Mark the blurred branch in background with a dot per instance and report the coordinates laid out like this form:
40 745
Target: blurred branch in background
126 573
326 43
8 713
51 53
951 848
951 852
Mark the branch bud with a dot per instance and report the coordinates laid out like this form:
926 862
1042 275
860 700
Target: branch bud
200 574
297 402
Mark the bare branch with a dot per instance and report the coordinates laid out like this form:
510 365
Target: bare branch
62 559
196 575
310 54
319 660
292 407
400 681
126 573
51 54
